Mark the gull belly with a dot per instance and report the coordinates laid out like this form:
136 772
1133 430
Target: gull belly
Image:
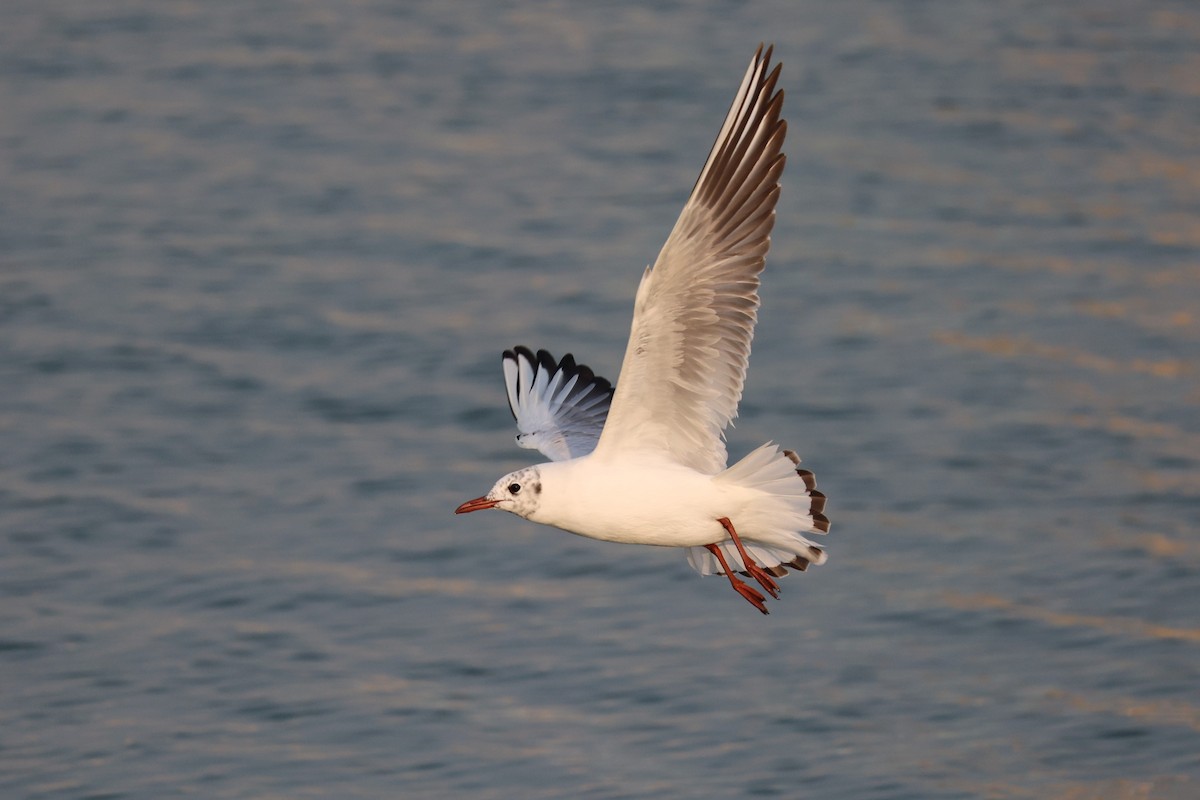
638 500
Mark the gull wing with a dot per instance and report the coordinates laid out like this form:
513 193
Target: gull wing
696 307
559 407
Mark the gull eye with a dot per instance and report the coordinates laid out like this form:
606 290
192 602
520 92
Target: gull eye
514 488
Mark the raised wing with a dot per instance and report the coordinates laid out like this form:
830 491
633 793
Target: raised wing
694 316
559 407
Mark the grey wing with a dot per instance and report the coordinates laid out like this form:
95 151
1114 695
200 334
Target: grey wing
695 311
560 407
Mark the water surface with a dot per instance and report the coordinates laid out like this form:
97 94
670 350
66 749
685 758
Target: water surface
257 263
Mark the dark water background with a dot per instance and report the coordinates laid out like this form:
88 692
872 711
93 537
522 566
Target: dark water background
257 262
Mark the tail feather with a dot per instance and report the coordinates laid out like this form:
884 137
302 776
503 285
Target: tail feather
798 504
774 560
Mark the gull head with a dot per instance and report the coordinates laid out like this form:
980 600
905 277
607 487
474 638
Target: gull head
517 492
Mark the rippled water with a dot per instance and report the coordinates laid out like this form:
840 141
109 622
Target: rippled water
257 263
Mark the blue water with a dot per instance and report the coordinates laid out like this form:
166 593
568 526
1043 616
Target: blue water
257 264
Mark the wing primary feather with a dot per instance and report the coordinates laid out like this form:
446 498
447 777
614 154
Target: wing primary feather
559 406
510 381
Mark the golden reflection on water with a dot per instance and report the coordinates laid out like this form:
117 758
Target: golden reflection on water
1114 625
1014 347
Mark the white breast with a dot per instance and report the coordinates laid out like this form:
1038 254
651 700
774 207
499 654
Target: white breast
638 501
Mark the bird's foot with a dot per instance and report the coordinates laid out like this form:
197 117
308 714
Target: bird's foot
764 579
752 595
752 568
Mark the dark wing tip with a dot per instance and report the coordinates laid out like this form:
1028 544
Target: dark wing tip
518 352
588 385
546 361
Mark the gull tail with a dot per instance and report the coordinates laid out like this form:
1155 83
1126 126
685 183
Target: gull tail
771 527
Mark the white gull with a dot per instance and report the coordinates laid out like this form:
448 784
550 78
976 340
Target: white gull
646 463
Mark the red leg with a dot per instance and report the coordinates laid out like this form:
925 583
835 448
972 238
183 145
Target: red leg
756 572
741 587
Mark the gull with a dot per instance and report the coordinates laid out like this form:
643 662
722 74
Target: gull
644 462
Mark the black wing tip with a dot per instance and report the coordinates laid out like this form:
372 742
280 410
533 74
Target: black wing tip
518 352
761 110
546 362
543 360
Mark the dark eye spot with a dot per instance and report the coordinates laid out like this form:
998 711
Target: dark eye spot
514 488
